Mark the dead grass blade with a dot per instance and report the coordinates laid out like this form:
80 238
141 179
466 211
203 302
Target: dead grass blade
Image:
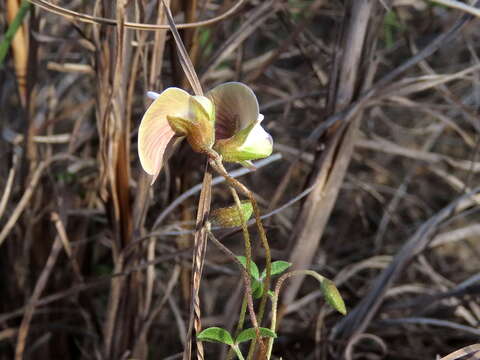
253 22
459 6
185 61
471 352
200 243
7 192
37 292
25 199
76 16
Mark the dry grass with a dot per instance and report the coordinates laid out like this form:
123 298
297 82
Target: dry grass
373 106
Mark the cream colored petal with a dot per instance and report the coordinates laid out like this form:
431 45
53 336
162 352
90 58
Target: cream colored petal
155 134
259 143
236 107
206 104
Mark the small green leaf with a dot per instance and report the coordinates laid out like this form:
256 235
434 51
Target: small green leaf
249 334
253 267
277 267
257 289
216 334
271 293
332 296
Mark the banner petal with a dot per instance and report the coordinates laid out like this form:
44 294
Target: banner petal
236 107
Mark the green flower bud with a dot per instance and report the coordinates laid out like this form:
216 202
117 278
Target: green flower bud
229 216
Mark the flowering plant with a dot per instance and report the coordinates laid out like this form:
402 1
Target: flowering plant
226 122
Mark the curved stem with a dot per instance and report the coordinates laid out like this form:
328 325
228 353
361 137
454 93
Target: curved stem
248 255
246 279
241 321
216 163
278 287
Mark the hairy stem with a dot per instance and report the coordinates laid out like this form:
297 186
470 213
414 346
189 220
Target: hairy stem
216 163
278 287
246 279
241 321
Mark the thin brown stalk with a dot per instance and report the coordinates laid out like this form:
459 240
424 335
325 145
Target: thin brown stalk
76 16
25 199
185 61
37 292
197 265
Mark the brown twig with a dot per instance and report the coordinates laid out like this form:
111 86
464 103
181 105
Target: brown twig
37 292
76 16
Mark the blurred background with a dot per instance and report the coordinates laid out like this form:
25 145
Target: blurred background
373 107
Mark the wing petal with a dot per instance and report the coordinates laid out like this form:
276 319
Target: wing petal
155 136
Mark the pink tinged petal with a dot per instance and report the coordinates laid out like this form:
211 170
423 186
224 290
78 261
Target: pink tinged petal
236 107
155 137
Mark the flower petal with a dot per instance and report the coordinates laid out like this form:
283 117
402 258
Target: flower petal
236 107
155 134
258 145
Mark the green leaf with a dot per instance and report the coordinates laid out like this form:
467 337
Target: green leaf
277 267
216 334
249 334
332 296
253 267
257 289
12 29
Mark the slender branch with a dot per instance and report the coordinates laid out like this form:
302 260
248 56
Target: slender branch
76 16
278 287
216 163
248 253
241 321
246 278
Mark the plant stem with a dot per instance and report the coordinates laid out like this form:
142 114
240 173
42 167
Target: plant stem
216 163
238 352
248 250
241 321
278 287
246 279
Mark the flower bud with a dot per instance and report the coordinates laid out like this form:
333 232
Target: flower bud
229 216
